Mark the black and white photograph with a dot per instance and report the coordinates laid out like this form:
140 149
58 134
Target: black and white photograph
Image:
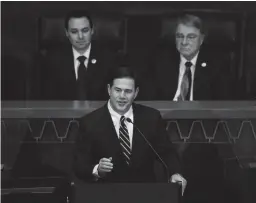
128 101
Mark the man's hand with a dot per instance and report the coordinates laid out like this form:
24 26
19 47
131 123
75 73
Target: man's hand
105 166
177 178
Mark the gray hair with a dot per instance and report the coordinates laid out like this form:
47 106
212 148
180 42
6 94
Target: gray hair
191 20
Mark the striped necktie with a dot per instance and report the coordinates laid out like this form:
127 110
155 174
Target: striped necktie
185 88
125 140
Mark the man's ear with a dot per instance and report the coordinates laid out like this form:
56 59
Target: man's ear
136 92
109 89
202 36
66 32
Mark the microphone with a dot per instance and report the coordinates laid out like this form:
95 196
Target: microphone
149 144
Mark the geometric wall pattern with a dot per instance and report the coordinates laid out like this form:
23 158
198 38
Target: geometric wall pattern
182 130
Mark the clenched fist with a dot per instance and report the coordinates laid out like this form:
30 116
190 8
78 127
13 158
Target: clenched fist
105 166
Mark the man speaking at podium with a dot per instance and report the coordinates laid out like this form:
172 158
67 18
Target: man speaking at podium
120 141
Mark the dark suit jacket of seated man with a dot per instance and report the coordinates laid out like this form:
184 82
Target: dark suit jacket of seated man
60 74
212 80
101 153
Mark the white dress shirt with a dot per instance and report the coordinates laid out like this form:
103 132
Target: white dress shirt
76 61
181 74
116 122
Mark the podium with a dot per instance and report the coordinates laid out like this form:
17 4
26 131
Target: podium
127 193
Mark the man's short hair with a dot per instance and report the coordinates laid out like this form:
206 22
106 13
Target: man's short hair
78 14
191 20
123 72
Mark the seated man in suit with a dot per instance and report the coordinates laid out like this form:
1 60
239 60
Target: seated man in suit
110 147
192 72
76 72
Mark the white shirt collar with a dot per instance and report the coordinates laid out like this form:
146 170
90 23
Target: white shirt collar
86 53
193 61
117 116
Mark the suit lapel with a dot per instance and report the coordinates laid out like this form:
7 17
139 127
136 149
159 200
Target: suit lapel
176 72
92 63
137 142
172 75
201 78
109 130
68 63
94 70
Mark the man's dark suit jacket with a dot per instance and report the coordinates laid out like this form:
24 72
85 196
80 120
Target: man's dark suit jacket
57 74
211 82
97 138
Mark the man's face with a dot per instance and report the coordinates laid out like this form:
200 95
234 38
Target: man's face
122 94
188 40
79 33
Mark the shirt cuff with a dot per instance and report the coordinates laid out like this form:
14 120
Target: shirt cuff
175 174
95 172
